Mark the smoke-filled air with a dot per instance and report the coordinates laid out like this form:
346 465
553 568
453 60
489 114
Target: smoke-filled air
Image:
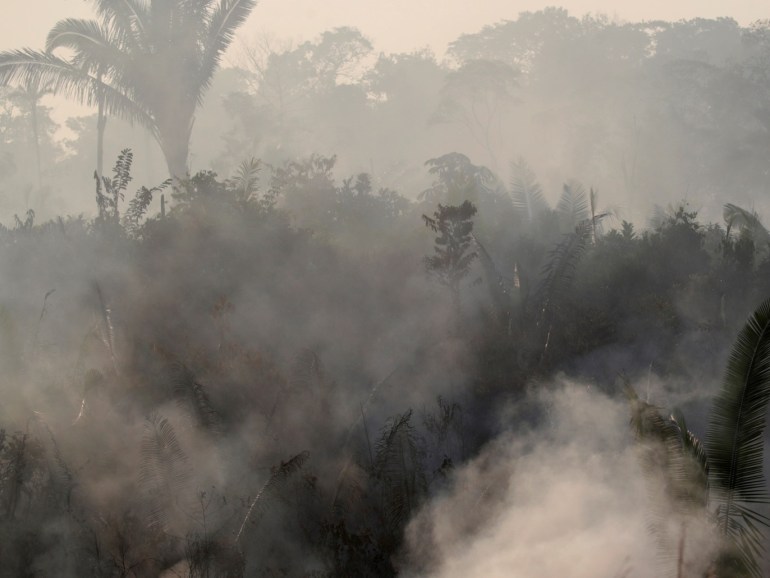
309 307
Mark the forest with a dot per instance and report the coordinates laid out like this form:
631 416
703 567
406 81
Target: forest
316 311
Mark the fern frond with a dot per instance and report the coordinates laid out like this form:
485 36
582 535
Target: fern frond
165 469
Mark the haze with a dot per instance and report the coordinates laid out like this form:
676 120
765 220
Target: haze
394 26
390 289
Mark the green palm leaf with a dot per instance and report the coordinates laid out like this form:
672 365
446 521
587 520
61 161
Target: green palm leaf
735 439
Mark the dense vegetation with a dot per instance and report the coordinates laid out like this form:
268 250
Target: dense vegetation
303 367
221 385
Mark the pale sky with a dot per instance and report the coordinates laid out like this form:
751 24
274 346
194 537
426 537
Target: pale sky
392 25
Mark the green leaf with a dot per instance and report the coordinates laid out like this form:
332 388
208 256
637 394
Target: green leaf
735 440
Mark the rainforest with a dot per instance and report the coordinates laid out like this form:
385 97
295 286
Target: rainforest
308 308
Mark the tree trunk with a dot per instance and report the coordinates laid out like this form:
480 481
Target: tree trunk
176 154
36 141
101 123
174 140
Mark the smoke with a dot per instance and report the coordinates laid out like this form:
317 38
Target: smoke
565 499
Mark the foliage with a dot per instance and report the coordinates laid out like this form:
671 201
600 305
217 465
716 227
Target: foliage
198 313
149 63
573 206
110 193
278 477
676 466
526 191
165 470
558 276
735 442
452 259
398 472
457 176
726 474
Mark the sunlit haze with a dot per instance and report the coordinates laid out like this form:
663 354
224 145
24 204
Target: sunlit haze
385 288
393 26
396 25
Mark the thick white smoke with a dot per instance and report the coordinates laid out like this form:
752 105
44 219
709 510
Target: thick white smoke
566 499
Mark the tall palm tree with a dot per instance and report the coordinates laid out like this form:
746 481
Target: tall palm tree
28 96
146 61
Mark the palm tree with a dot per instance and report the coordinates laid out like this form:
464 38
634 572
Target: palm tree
148 62
28 96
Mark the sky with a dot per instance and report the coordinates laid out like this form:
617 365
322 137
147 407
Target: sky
392 25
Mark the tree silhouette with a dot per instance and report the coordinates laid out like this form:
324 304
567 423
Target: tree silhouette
146 62
452 259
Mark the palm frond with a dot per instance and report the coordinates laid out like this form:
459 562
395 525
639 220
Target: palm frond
672 453
526 192
223 22
735 439
398 468
26 66
559 270
278 477
743 219
91 44
246 179
676 470
573 206
128 18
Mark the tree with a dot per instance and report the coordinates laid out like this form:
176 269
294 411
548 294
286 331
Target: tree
303 98
147 62
26 140
29 97
452 259
476 95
